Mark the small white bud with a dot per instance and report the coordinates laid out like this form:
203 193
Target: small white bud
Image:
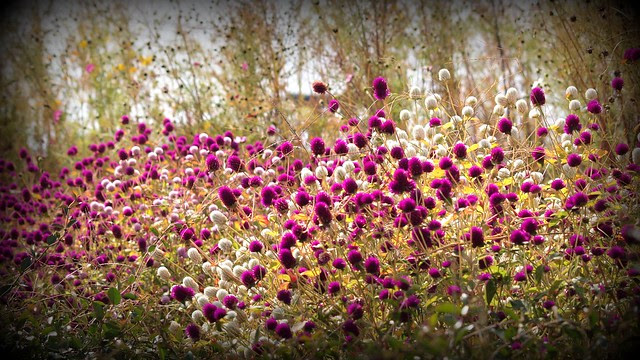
501 100
591 94
467 111
405 115
430 102
635 156
444 75
521 106
194 255
415 92
471 101
574 105
512 95
163 273
571 92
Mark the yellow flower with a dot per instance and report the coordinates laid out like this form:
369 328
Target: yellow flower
145 60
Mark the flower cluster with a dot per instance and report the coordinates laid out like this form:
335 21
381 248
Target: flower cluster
380 230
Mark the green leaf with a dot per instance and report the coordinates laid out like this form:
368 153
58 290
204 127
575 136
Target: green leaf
98 310
491 290
26 262
447 308
114 296
130 296
151 249
154 231
539 273
51 239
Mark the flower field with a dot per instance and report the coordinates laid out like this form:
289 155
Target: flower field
422 227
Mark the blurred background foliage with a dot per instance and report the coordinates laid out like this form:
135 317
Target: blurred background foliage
70 70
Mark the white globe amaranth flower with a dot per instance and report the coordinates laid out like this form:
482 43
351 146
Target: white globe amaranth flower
571 92
339 174
321 172
410 151
163 273
221 294
591 94
415 92
504 173
568 171
467 111
218 218
574 105
194 255
517 164
225 245
444 75
534 113
431 102
174 326
405 115
635 156
522 106
471 101
537 176
501 99
203 300
210 291
418 132
512 95
190 283
498 110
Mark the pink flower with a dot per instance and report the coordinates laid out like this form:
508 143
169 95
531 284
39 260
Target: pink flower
89 68
56 116
245 66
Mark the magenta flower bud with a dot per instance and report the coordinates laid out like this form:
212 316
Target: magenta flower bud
380 89
505 125
333 105
537 96
617 83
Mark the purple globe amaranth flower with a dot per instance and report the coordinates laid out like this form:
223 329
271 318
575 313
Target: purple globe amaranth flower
505 125
355 310
227 196
380 88
617 83
333 288
538 154
475 171
434 122
283 330
339 263
520 276
571 124
354 256
284 296
247 278
192 331
594 107
574 160
317 146
558 184
333 105
476 236
460 150
323 212
182 293
537 96
372 265
234 163
212 162
497 155
542 131
622 149
445 163
631 54
286 258
519 237
255 246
